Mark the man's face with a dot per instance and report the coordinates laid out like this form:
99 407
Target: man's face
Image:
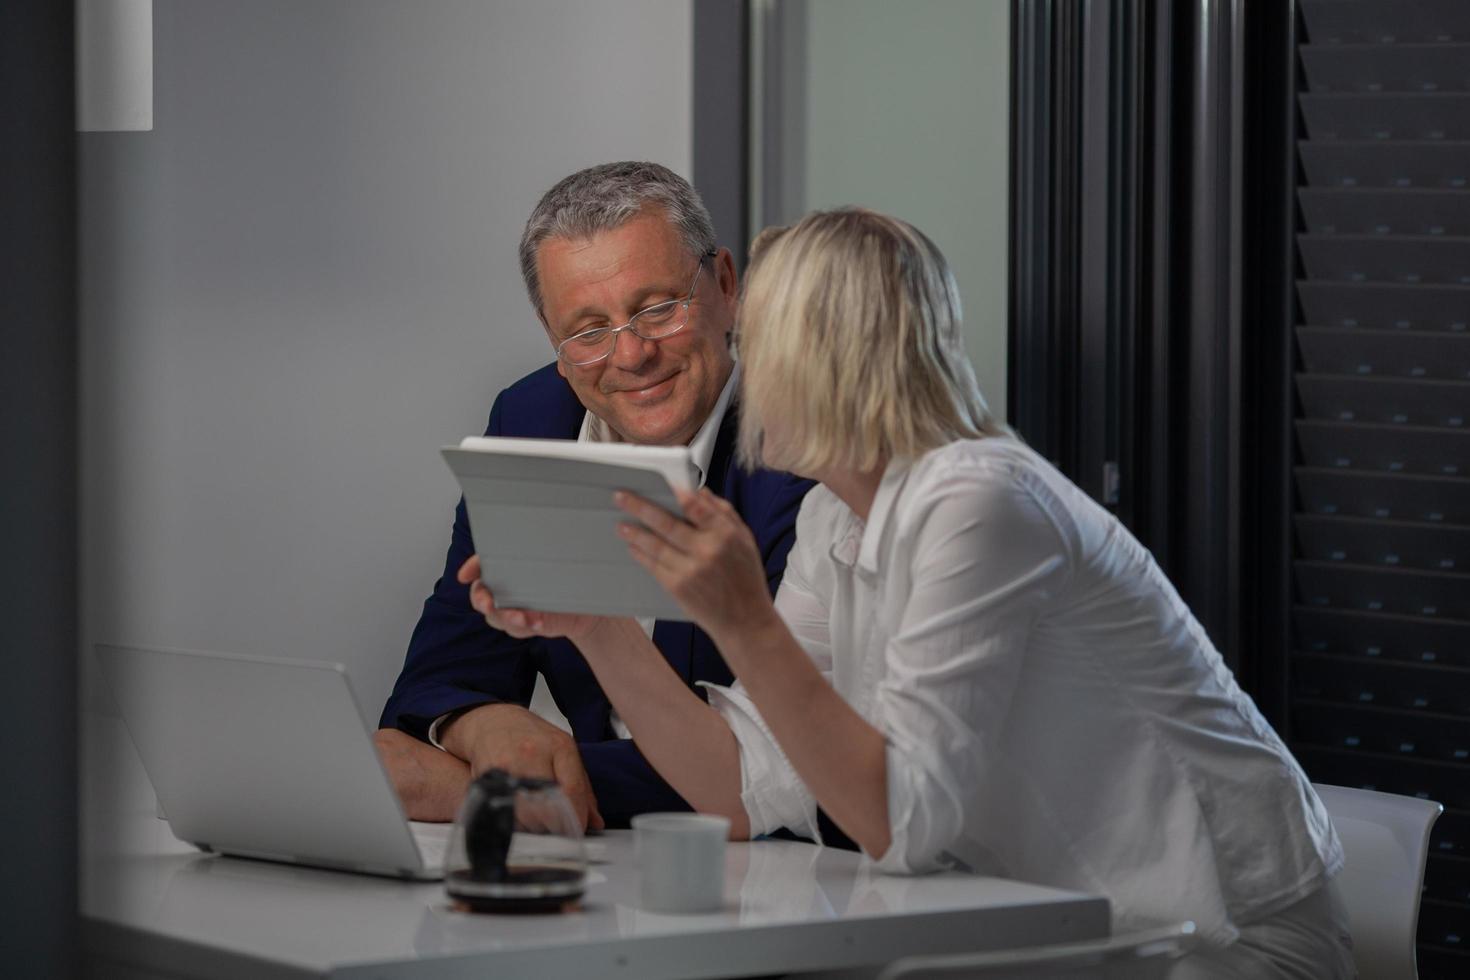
652 392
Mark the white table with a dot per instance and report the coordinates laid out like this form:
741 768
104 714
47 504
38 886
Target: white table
155 907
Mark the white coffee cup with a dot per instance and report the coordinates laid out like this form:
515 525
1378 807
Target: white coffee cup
681 861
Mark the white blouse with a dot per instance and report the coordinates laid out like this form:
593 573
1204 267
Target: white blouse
1053 711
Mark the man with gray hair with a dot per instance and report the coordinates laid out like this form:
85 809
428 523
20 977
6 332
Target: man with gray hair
623 270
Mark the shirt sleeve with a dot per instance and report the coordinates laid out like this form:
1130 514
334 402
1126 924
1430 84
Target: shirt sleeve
434 727
986 557
773 794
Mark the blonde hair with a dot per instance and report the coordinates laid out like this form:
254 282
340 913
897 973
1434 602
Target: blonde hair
849 337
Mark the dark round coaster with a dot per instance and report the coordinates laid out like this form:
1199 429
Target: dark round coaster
527 889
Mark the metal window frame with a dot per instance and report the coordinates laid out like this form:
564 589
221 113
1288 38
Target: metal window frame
1269 316
721 117
38 496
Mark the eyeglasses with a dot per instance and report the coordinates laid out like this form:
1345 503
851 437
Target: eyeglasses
654 323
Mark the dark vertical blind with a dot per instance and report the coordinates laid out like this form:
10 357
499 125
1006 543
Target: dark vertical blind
1125 360
1380 671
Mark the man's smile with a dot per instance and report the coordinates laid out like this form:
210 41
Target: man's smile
650 392
655 392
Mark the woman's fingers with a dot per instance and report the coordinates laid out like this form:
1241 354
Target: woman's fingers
692 502
655 518
708 542
652 551
640 539
650 563
703 507
711 565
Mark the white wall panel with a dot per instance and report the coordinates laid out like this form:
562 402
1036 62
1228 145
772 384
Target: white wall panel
303 281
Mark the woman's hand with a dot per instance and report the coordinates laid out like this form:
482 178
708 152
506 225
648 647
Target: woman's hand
708 560
522 623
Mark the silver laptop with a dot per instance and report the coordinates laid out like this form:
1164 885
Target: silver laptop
266 758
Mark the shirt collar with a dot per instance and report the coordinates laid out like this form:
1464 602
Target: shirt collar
701 447
858 544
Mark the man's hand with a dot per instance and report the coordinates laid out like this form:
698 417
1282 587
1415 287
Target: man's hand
509 737
431 783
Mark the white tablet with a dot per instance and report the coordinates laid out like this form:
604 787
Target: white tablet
542 515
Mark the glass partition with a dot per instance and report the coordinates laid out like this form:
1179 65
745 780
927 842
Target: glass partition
903 108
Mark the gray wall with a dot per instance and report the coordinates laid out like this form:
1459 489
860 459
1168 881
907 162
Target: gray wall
302 282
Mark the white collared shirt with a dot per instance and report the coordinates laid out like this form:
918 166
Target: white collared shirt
701 447
701 450
1053 711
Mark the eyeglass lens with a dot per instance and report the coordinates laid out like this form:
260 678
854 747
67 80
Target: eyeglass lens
654 323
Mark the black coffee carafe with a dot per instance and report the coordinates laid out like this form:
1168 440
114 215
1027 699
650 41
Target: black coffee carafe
516 847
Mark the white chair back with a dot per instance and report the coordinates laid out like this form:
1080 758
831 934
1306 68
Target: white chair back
1386 840
1146 955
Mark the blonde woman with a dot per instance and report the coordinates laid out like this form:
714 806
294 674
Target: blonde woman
968 663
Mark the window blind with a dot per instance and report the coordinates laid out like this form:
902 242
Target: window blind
1380 672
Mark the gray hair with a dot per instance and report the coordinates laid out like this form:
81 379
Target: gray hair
608 196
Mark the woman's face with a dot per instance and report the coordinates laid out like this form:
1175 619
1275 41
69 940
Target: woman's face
778 434
777 438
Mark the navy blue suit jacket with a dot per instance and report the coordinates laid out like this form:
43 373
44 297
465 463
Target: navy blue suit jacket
456 660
